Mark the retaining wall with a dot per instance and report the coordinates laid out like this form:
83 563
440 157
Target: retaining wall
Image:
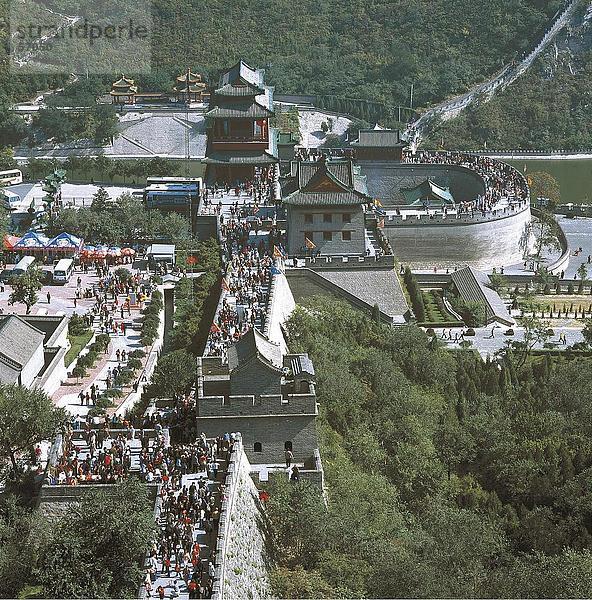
242 559
484 245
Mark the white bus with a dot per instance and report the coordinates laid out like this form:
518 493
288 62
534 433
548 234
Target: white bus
9 199
63 270
23 265
11 177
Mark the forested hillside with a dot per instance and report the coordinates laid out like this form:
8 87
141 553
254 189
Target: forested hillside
447 476
550 107
353 48
356 48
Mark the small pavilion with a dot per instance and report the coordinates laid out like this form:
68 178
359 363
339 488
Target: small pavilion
123 91
190 87
428 194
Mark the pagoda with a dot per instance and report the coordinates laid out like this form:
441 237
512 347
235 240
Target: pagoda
239 138
123 91
190 87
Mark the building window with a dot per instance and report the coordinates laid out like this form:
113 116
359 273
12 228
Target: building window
257 447
346 236
308 235
346 217
327 236
288 446
308 218
327 218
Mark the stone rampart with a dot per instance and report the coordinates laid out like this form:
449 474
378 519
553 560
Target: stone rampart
386 179
492 243
344 262
242 560
231 406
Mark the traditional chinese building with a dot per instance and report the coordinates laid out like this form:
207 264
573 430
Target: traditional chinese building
325 209
190 87
428 193
239 138
379 144
123 91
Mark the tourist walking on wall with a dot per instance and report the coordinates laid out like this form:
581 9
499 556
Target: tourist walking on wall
289 456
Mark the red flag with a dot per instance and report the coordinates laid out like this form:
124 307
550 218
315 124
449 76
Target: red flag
214 328
309 244
191 260
277 253
225 285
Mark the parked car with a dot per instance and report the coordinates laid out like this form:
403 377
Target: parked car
5 275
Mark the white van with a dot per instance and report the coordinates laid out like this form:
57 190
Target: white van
23 265
9 199
63 270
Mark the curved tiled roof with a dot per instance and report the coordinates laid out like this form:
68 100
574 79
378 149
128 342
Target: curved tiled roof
473 286
248 110
254 344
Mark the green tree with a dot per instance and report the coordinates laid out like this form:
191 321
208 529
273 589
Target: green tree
544 229
17 546
587 332
582 273
536 331
544 185
7 159
27 417
25 288
174 374
95 551
298 520
498 282
100 200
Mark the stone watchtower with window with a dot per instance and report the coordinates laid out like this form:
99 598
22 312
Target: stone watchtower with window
265 394
325 203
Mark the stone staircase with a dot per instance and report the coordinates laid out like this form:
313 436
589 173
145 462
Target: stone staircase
372 241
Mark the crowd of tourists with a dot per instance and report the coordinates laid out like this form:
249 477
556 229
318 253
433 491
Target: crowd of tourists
502 182
107 459
183 557
247 265
316 154
261 189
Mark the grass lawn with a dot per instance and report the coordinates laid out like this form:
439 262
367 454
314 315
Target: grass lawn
435 314
77 343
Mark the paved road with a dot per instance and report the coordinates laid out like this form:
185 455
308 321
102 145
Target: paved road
487 345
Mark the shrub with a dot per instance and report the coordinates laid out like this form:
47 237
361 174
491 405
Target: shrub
134 363
137 353
103 402
509 332
466 343
104 338
77 325
124 377
430 331
123 274
470 331
79 370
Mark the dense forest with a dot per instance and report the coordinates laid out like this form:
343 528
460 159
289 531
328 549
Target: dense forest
447 476
537 112
373 50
